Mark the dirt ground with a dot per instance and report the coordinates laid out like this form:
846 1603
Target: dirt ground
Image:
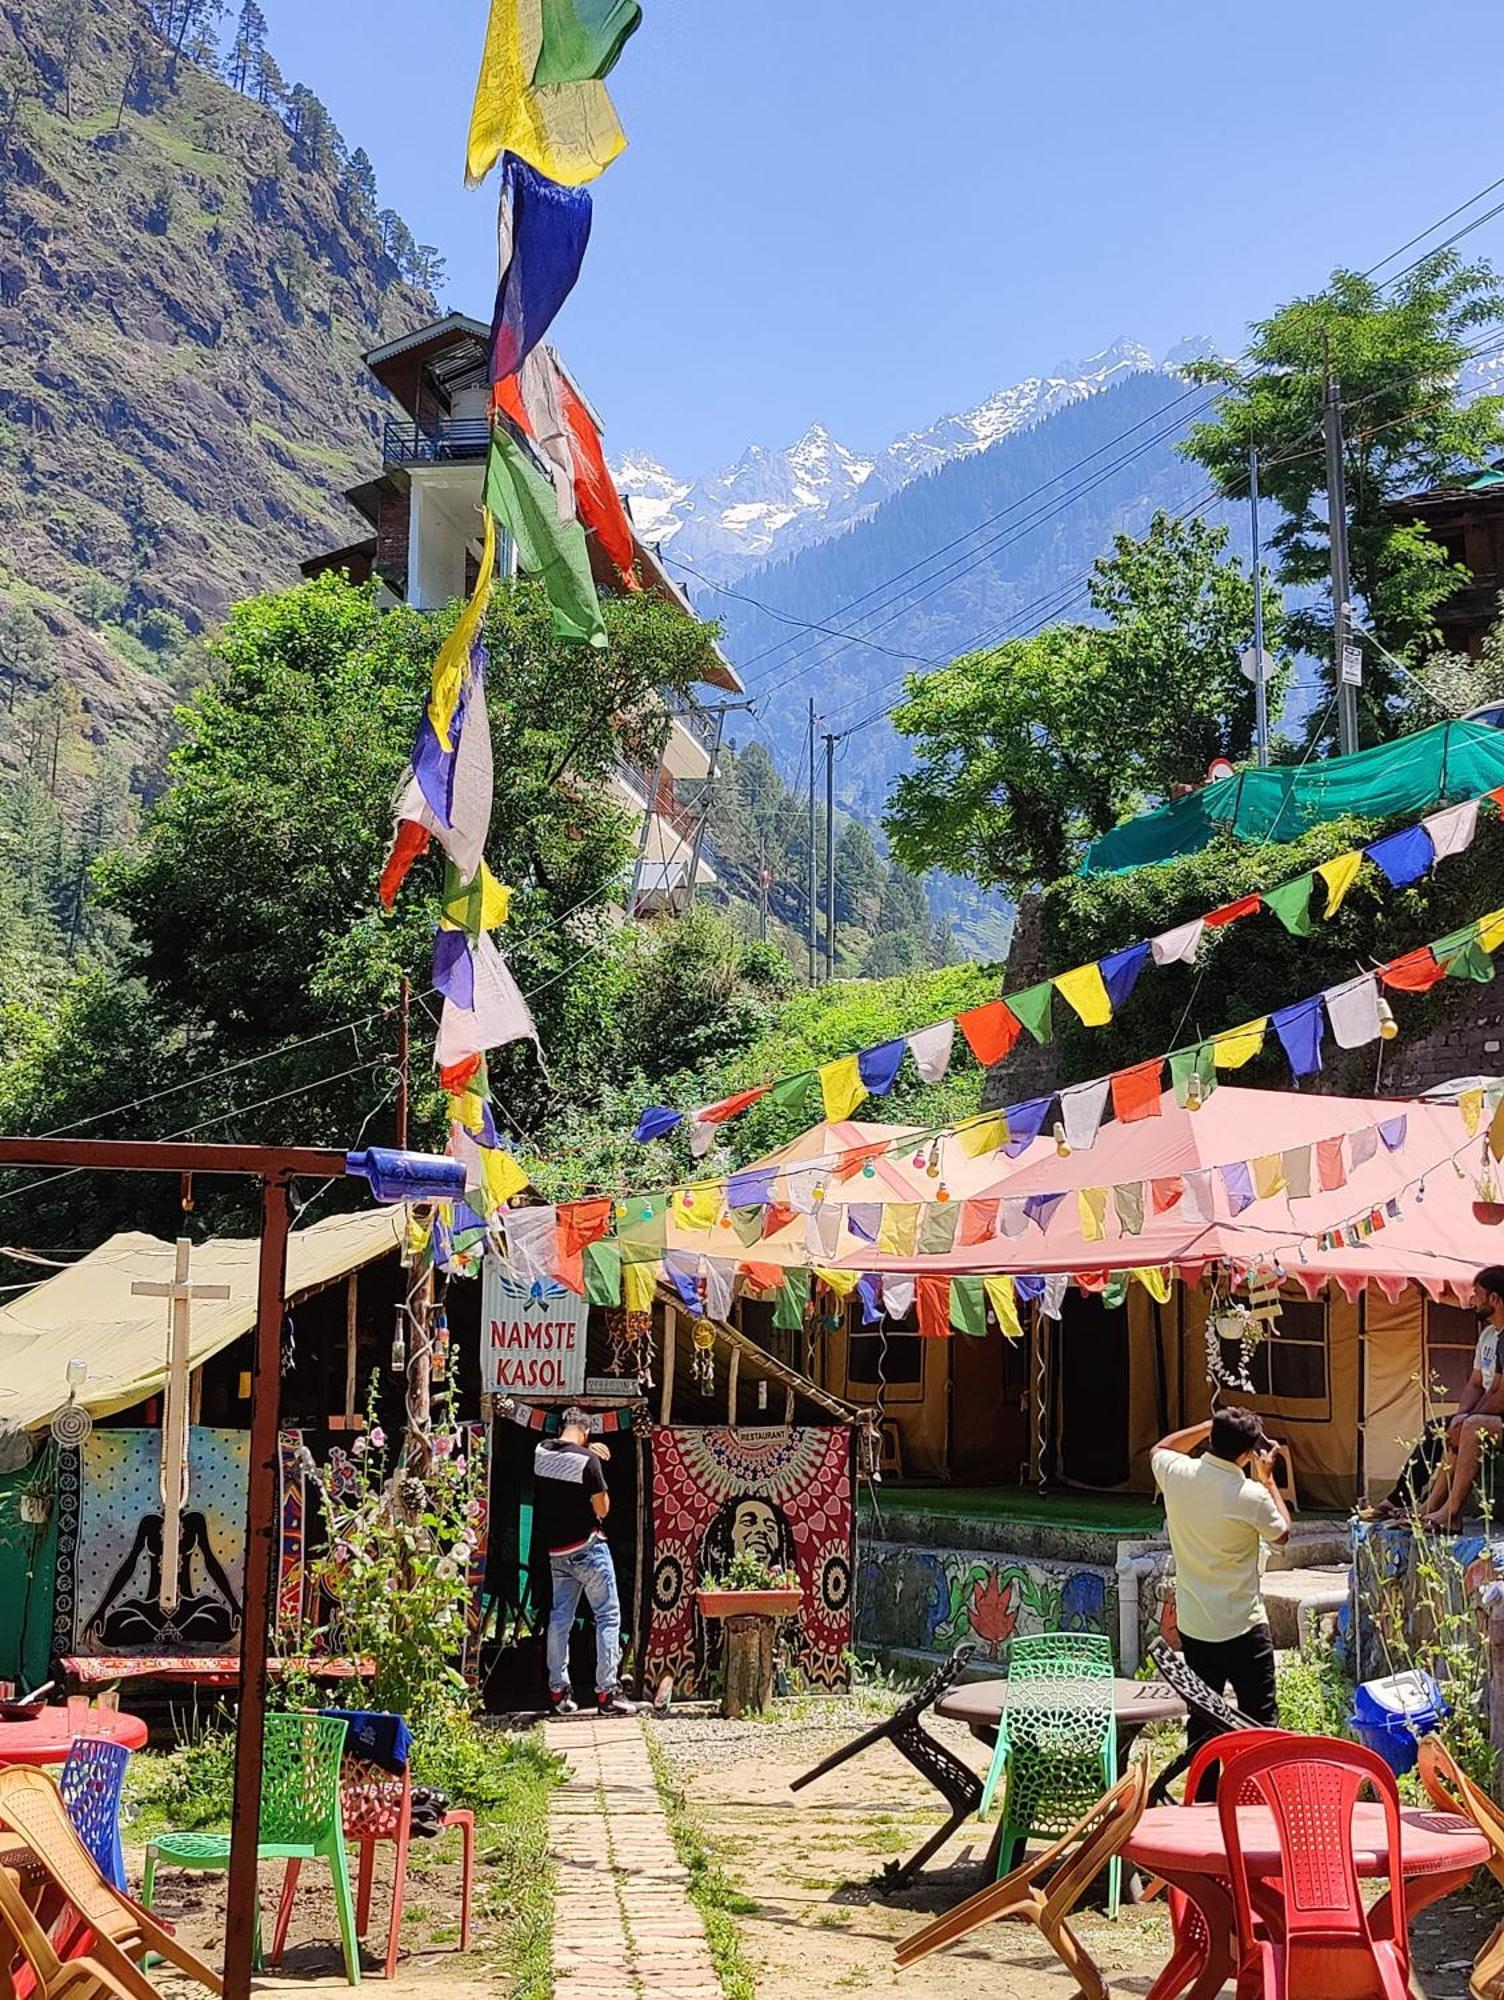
807 1861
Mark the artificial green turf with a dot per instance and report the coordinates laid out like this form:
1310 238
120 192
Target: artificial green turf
1110 1513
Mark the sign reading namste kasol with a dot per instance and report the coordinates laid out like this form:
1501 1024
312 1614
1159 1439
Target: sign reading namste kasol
532 1336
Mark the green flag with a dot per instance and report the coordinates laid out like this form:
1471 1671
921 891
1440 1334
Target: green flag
1291 903
790 1094
603 1274
583 38
1032 1007
968 1306
788 1307
552 550
1470 962
1186 1063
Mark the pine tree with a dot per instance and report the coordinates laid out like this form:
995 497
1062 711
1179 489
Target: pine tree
248 45
357 187
426 269
267 83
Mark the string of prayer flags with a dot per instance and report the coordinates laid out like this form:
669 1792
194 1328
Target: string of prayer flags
553 551
454 657
582 39
568 131
543 403
542 233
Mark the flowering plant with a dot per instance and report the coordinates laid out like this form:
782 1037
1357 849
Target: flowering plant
395 1567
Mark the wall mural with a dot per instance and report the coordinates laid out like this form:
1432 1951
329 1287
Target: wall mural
109 1577
781 1494
929 1600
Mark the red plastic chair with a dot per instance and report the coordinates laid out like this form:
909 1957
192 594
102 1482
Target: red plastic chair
1316 1937
378 1805
1186 1921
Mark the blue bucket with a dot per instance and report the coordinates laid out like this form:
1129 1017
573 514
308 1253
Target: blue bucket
1392 1714
1398 1743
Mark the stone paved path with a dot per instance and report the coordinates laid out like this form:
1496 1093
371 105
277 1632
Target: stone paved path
624 1927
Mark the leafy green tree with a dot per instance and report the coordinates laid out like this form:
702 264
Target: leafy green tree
891 954
357 187
1025 752
904 906
25 648
1396 351
859 876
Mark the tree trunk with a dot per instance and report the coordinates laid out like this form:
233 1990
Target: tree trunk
748 1660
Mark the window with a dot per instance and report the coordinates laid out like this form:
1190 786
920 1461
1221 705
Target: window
891 1355
1290 1367
1451 1338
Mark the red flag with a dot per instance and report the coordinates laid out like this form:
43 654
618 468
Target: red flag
933 1295
1230 912
990 1030
1331 1171
1135 1092
595 495
580 1224
1416 972
1167 1193
410 841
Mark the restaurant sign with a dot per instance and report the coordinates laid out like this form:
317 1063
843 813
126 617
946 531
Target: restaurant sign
532 1336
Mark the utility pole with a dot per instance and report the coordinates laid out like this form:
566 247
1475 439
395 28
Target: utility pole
830 855
810 871
1260 690
1336 514
764 881
404 1031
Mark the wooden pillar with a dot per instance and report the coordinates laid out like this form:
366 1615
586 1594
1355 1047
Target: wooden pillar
670 1351
352 1298
733 1375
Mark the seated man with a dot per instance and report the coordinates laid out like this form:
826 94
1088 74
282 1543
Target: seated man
1221 1510
1480 1410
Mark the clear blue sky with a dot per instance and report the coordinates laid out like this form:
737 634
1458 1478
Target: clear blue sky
870 213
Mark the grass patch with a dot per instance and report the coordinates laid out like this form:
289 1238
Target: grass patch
712 1894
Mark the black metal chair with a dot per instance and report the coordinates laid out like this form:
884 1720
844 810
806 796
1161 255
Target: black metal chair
1196 1694
956 1782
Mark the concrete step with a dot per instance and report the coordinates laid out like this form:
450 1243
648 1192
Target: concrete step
1290 1592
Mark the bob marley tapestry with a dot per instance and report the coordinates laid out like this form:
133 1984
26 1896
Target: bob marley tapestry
784 1495
110 1529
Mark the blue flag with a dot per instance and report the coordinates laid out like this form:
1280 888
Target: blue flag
549 227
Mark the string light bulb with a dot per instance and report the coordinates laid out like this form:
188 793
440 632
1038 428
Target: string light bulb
1388 1026
1062 1144
868 1170
918 1159
942 1193
1193 1096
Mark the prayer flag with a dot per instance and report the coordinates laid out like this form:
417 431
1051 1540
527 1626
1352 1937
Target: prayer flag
899 1229
1237 1185
937 1228
453 967
841 1088
1291 903
868 1291
1470 1104
1032 1007
718 1275
1268 1175
968 1307
1128 1203
596 499
1023 1123
864 1219
990 1031
978 1220
410 839
553 552
532 1243
1166 1193
730 1107
657 1122
792 1092
1135 1091
639 1286
1452 832
1242 906
1120 971
1081 1111
1232 1050
1491 930
1199 1203
1339 876
1362 1145
583 38
1053 1297
1091 1212
788 1307
581 1223
933 1297
1085 991
976 1136
1300 1029
1003 1298
477 903
879 1066
698 1207
1040 1209
1392 1131
1178 946
930 1048
1466 959
1295 1165
1155 1279
1414 972
842 1283
499 1014
1013 1217
542 229
451 666
898 1296
1404 856
568 131
602 1264
1353 1011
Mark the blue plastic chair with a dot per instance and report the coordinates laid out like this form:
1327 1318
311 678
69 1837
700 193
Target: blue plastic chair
92 1781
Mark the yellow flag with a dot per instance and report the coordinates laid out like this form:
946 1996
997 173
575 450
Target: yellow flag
1086 991
842 1088
1091 1207
1496 1133
1470 1104
639 1285
484 906
1339 876
976 1136
1003 1298
1155 1280
501 1176
1241 1046
454 654
1491 930
1268 1174
899 1228
568 131
468 1109
842 1283
698 1207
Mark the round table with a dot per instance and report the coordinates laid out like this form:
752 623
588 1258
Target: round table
1183 1844
1135 1704
49 1739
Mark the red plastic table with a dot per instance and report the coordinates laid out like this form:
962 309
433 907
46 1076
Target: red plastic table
1183 1844
49 1738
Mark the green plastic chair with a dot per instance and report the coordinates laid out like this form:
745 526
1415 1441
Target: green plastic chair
301 1819
1057 1743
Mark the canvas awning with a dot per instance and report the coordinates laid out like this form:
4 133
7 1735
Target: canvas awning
89 1311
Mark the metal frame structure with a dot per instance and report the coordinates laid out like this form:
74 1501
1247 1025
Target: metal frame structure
276 1167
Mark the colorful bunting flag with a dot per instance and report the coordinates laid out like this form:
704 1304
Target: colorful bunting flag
1232 1050
542 231
1416 972
451 668
1081 1110
1230 913
1291 903
1299 1028
968 1307
1178 947
1085 991
1339 876
990 1031
1352 1010
518 494
568 131
1404 857
479 903
1023 1123
1135 1091
898 1233
841 1088
1120 971
582 39
1453 830
1032 1007
1002 1296
985 1134
1091 1212
1200 1063
930 1048
878 1067
498 1014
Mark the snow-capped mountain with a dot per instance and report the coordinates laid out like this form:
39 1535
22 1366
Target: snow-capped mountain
771 503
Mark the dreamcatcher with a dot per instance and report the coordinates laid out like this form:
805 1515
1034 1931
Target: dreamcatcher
629 1338
702 1361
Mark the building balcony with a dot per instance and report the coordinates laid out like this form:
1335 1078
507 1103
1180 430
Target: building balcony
464 441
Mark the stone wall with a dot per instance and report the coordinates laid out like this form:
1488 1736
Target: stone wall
921 1602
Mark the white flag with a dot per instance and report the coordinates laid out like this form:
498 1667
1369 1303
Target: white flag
1178 947
499 1015
1452 831
931 1048
1081 1113
1353 1010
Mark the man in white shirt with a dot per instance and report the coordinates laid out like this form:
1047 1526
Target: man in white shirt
1480 1409
1221 1511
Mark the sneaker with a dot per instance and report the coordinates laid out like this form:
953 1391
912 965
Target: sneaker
614 1703
562 1702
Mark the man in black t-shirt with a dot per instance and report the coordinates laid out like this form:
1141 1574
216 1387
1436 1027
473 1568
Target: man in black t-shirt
570 1501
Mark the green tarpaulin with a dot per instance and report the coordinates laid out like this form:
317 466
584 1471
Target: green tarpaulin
1433 767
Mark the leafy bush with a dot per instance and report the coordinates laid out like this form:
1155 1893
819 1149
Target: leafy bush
1314 1695
193 1787
747 1571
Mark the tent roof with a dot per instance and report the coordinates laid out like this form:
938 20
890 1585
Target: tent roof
89 1311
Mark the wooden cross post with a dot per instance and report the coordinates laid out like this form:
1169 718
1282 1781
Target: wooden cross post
179 1293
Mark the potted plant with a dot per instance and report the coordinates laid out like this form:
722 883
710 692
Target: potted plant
750 1588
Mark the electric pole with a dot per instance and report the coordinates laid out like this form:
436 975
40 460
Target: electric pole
830 855
809 873
764 881
1336 514
1260 691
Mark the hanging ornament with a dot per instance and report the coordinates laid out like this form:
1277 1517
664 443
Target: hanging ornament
918 1160
942 1193
1062 1144
702 1364
933 1167
616 1341
640 1347
1193 1098
71 1425
1388 1026
868 1170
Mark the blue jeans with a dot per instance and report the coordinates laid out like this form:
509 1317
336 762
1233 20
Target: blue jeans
589 1570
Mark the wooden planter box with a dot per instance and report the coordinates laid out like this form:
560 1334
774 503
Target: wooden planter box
751 1620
